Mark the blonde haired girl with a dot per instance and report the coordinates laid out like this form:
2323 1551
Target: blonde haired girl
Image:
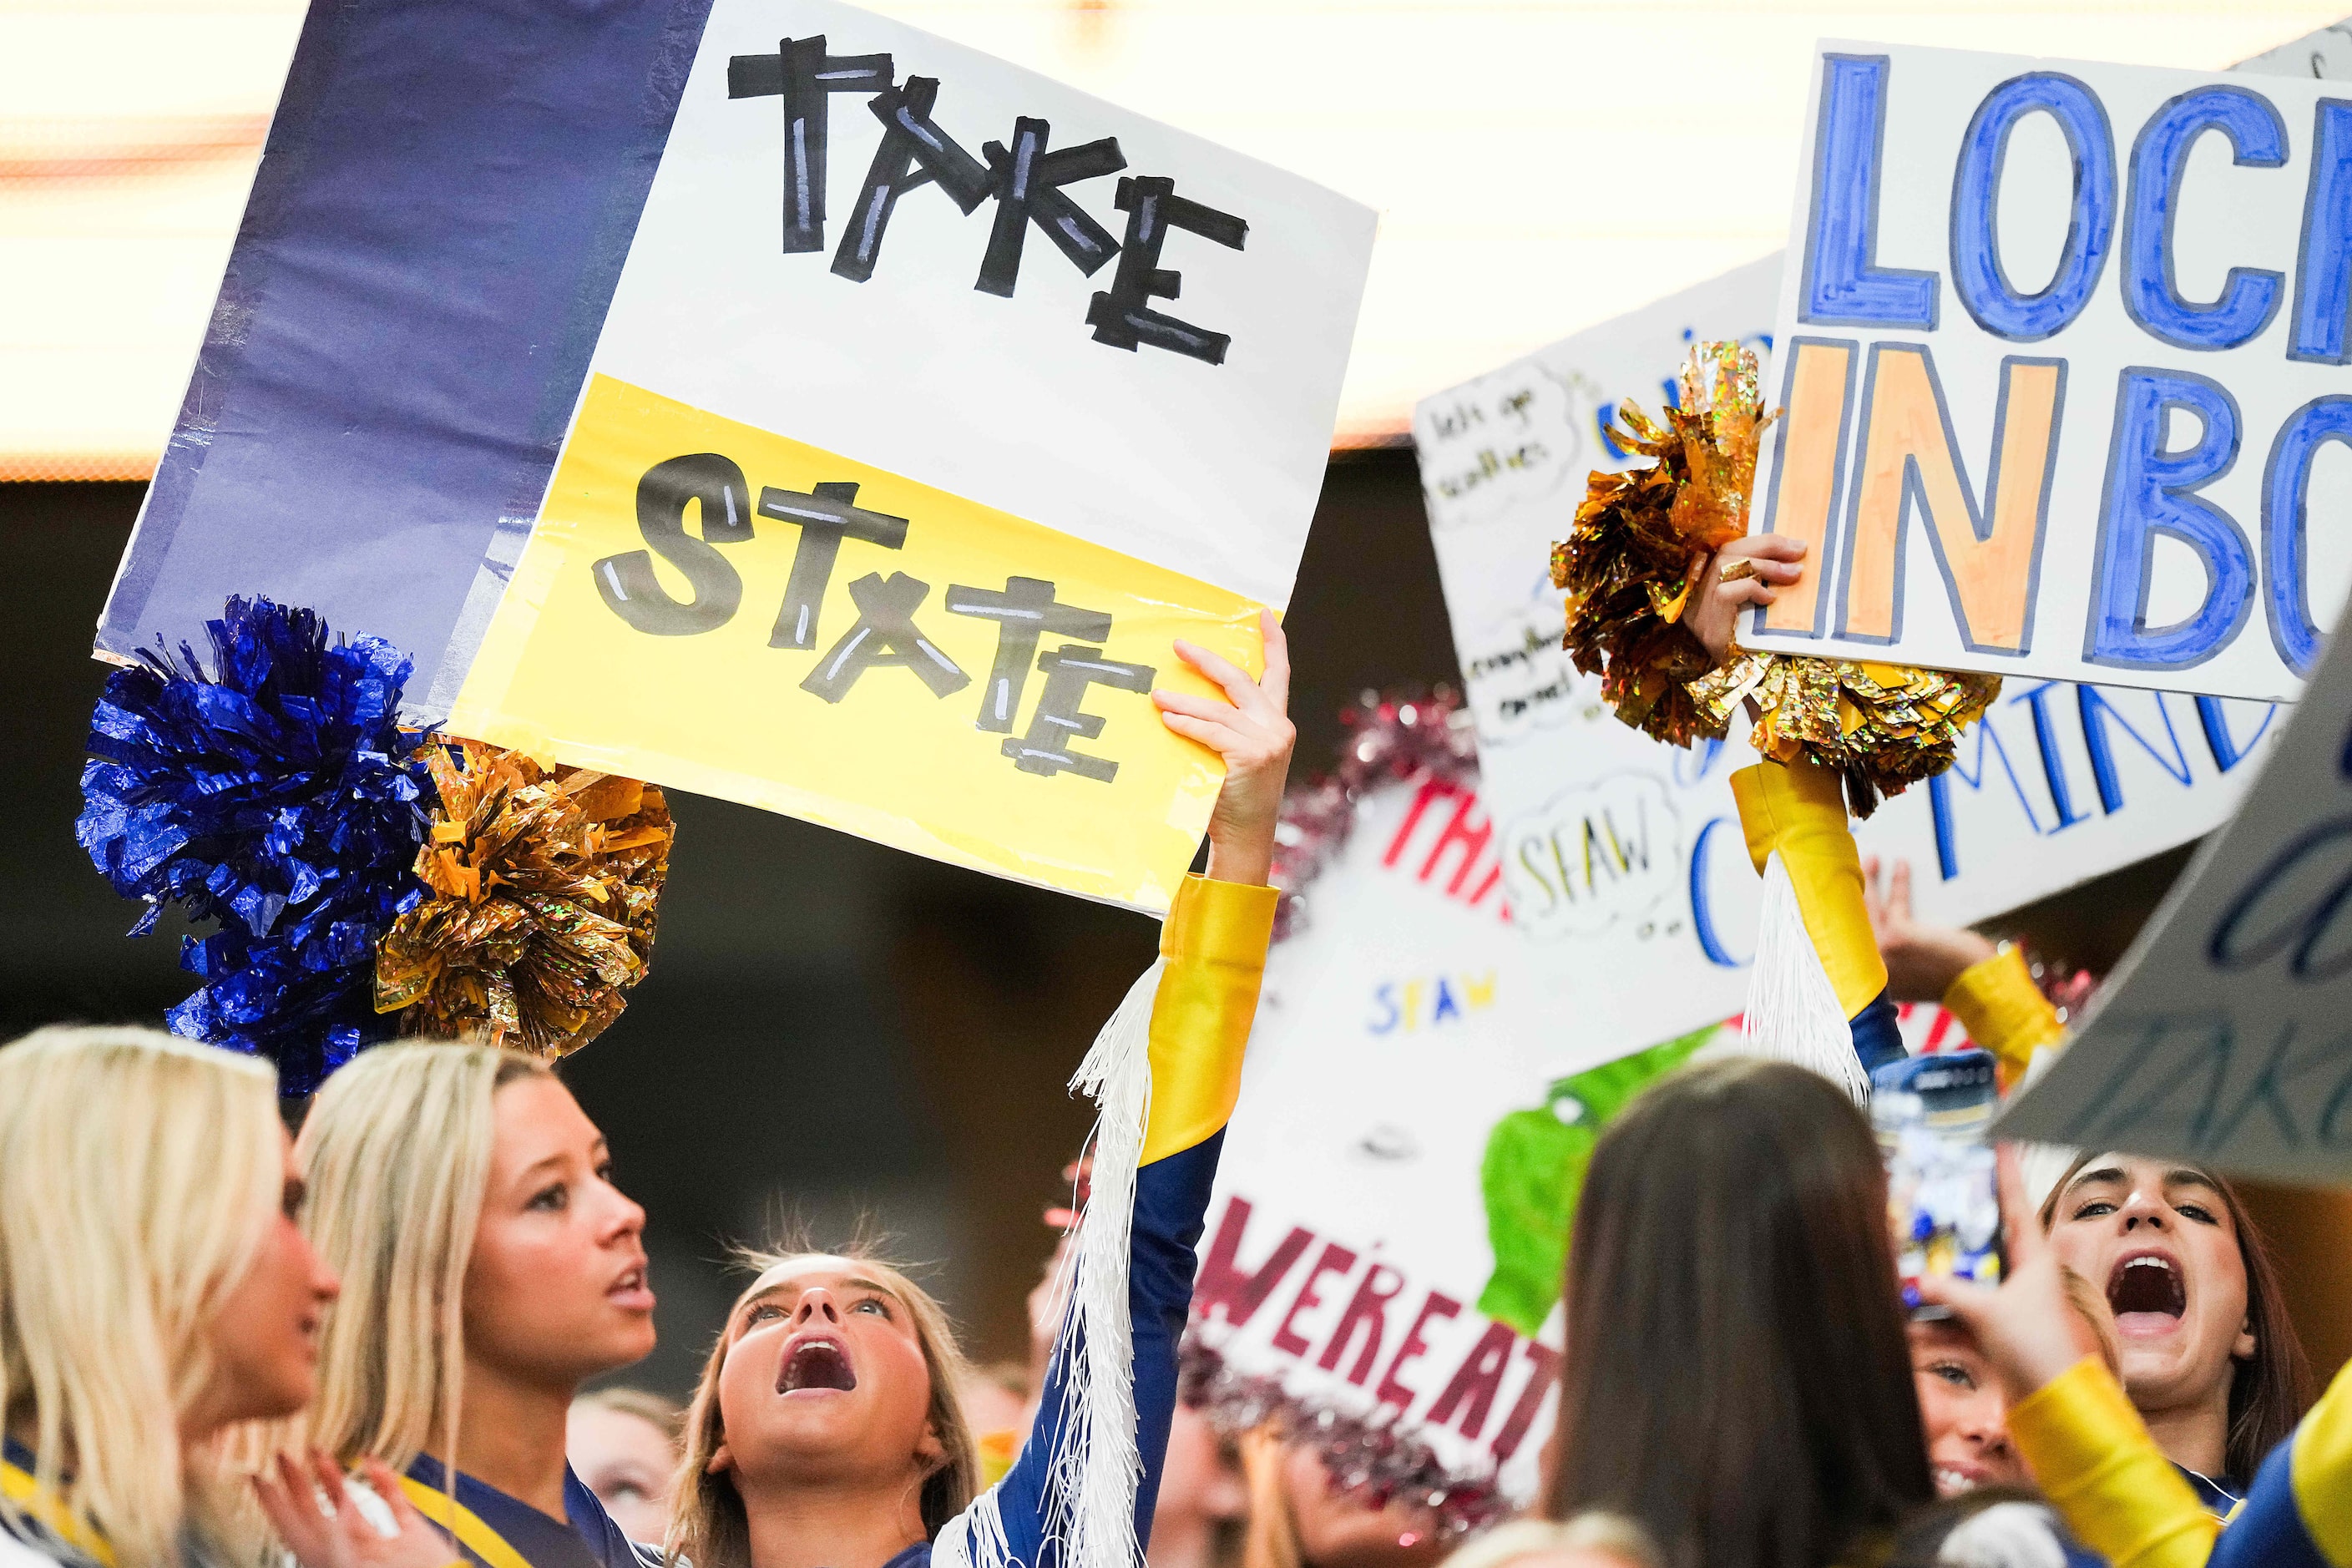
623 1444
154 1291
1300 1518
827 1434
710 1519
490 1267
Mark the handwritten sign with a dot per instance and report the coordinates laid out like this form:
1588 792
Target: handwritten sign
1620 859
2222 1037
2061 348
899 328
904 407
1385 1239
1388 1231
858 649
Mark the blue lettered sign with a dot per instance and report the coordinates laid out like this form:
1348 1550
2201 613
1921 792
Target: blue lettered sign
2064 353
2226 1036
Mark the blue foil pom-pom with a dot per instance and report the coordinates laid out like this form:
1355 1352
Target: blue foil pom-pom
278 798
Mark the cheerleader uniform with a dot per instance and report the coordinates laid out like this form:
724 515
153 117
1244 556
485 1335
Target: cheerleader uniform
1214 941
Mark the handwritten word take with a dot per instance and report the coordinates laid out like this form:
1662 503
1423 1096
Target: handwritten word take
1024 178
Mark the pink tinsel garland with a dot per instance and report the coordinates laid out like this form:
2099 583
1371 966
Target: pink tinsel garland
1392 736
1377 1460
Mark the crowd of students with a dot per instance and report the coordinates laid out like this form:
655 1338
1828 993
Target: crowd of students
365 1346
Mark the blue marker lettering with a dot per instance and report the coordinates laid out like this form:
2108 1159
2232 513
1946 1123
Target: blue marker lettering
1843 283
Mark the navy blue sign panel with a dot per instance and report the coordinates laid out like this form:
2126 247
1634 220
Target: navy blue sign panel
443 207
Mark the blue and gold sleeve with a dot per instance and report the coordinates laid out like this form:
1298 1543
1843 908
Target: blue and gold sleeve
2093 1457
2005 1012
1214 944
1799 810
2299 1511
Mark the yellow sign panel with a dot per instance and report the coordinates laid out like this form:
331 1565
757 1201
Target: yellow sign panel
718 608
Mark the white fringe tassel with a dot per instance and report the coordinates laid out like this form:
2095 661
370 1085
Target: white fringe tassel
1793 1013
1090 1492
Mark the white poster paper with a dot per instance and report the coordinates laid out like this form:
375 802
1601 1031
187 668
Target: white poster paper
1389 1232
2224 1037
1622 858
1374 1244
958 347
938 357
2062 352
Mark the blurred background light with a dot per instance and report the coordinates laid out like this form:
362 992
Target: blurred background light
1540 165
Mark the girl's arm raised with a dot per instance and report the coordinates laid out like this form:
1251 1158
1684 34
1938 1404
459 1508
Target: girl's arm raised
1214 946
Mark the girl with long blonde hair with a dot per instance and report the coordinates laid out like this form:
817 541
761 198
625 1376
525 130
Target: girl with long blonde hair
1300 1518
827 1432
490 1267
155 1293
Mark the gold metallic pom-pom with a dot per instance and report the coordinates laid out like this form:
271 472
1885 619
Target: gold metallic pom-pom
542 908
1883 726
1642 540
1642 537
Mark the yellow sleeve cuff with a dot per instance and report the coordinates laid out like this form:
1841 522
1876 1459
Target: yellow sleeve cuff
2003 1011
1214 941
1799 809
2095 1460
2320 1468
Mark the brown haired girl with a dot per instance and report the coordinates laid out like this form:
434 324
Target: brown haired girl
1736 1378
2210 1358
2208 1353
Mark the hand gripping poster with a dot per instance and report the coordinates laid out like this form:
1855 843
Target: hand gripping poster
769 400
1621 857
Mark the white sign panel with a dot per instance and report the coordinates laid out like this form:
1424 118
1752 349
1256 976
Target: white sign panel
2063 348
1389 1230
2224 1036
1349 1242
938 358
1020 398
1621 857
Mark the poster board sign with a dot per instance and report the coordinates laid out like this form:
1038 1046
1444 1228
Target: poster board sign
1386 1238
2062 352
1622 858
2325 55
1388 1235
896 408
2221 1037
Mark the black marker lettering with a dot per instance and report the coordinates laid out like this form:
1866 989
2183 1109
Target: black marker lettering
825 516
1123 317
1070 669
627 583
802 74
1028 189
1023 612
910 138
884 633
